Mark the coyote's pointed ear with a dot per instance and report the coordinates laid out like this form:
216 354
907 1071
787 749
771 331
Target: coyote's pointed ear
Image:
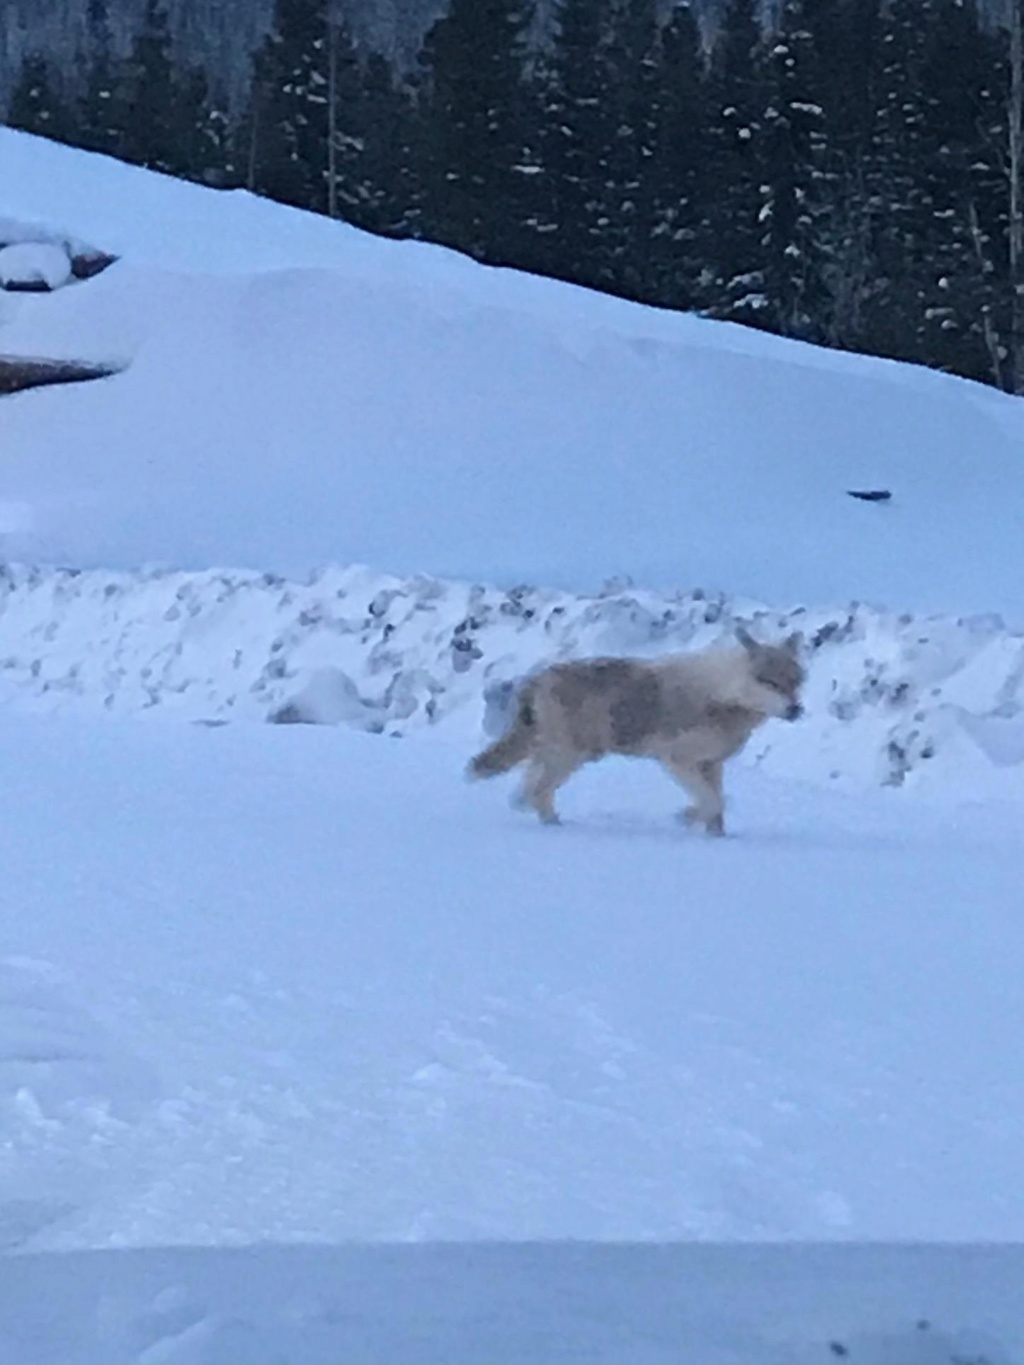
745 638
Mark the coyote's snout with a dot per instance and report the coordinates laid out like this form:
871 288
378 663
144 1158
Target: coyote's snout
689 711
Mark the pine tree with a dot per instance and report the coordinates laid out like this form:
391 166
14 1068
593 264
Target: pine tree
582 124
678 247
288 125
733 284
37 105
965 245
793 179
151 135
102 112
201 134
992 199
898 193
633 55
475 112
541 249
389 190
845 39
346 189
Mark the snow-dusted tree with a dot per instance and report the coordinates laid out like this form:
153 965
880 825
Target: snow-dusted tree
152 133
965 327
580 131
794 178
733 285
102 110
203 133
387 189
845 42
678 247
37 104
288 123
1015 196
898 193
633 57
346 129
475 107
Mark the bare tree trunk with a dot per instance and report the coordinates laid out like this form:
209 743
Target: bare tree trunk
252 158
850 273
1015 122
993 346
332 119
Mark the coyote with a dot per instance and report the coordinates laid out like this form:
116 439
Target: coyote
689 711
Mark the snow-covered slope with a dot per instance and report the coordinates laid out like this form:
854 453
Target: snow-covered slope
301 394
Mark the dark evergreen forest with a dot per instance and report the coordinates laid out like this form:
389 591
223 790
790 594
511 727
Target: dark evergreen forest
848 173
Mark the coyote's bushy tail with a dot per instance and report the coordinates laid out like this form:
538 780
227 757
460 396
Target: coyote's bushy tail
511 748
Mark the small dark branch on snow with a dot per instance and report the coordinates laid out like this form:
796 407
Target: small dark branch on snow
870 494
21 372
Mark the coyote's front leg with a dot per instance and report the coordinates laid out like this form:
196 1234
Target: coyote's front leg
703 781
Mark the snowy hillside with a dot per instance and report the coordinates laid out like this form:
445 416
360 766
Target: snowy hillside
302 394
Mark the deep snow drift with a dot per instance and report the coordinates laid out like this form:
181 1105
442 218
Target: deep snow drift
301 394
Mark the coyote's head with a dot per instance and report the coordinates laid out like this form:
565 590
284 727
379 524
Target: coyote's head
777 674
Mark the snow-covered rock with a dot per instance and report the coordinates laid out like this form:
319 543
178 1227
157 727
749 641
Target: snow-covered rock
37 259
34 267
328 697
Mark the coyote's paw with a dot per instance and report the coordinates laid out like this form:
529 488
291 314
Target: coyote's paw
713 824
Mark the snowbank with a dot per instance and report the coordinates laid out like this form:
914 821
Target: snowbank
890 698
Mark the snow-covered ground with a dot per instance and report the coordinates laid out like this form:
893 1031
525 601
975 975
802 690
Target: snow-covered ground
507 1305
296 983
301 984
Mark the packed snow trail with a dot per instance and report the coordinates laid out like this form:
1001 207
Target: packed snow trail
296 983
